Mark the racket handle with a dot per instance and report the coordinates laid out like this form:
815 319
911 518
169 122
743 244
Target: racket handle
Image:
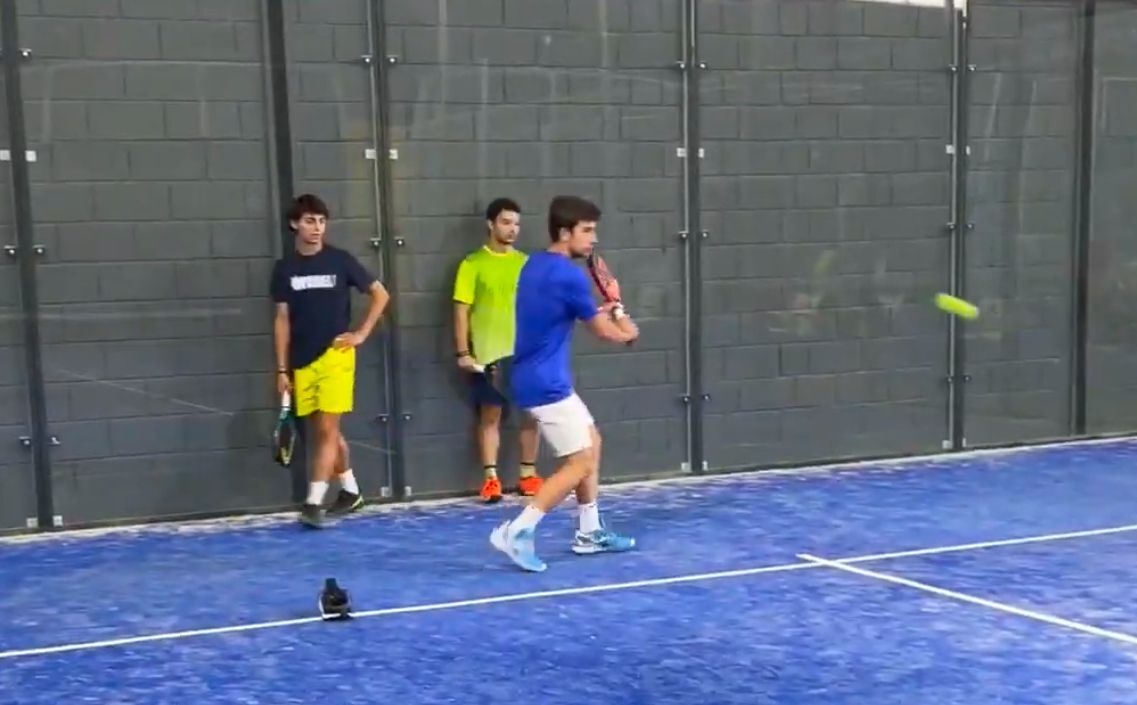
286 400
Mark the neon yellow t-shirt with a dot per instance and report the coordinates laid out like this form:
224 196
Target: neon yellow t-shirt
487 281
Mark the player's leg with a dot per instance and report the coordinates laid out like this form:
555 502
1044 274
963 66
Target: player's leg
337 397
529 482
567 427
516 538
306 386
323 428
489 441
591 535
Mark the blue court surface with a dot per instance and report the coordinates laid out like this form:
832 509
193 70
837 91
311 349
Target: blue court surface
1006 577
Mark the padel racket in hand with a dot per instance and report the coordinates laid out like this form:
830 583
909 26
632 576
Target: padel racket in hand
284 435
606 283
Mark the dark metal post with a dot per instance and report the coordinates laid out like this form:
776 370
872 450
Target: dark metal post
25 243
281 153
1083 215
399 417
960 226
693 66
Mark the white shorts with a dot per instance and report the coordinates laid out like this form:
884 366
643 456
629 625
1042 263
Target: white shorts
566 425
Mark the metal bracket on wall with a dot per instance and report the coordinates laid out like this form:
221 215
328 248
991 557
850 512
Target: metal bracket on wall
33 522
29 154
407 491
686 467
368 58
385 492
371 154
24 54
11 250
376 243
26 441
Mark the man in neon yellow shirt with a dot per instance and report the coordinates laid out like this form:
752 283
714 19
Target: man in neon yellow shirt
484 293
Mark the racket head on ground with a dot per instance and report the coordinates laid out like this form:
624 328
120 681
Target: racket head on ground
602 276
284 433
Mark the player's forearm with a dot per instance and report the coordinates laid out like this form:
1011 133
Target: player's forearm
628 329
461 327
379 300
280 338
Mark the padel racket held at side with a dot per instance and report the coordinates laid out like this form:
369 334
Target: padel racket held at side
284 434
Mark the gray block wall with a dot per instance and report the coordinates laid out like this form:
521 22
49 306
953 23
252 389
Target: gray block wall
150 193
825 195
528 100
1021 196
332 129
1112 345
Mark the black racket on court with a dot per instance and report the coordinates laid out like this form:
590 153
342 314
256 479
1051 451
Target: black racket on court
284 434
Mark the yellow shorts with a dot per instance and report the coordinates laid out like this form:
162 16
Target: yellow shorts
327 384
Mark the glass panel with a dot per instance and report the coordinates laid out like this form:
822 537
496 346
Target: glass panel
577 98
17 478
151 198
1112 336
332 127
1021 200
826 193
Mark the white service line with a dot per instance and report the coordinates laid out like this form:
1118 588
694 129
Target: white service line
963 597
989 544
565 592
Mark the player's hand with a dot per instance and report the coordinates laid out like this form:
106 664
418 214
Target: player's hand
283 383
614 309
347 340
467 363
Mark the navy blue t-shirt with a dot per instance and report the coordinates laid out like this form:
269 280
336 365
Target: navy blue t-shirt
552 294
317 289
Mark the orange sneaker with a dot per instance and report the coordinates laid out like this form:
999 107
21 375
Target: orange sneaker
491 490
528 486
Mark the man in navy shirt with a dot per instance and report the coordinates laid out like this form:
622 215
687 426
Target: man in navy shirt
553 293
315 346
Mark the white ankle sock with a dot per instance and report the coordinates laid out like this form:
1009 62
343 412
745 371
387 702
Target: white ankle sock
589 518
528 519
316 492
348 483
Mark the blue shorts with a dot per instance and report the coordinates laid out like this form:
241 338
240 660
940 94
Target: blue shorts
484 392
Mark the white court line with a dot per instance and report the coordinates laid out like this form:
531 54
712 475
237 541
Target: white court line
434 607
990 544
962 597
562 592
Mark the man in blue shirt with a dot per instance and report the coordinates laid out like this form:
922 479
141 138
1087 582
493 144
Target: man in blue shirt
552 295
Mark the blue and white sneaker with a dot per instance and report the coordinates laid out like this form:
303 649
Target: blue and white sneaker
601 541
519 547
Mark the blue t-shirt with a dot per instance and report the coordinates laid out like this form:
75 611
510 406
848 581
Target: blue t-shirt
552 294
317 289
